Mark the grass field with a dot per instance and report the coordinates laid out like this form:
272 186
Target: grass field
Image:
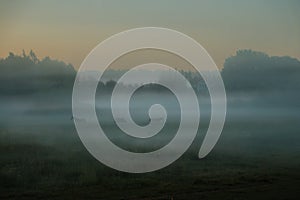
254 159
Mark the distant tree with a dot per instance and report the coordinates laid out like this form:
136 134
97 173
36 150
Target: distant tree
26 73
33 57
256 71
110 84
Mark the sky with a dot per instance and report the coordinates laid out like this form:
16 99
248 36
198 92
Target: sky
69 30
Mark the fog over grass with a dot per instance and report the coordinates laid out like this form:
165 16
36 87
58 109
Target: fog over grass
42 155
256 85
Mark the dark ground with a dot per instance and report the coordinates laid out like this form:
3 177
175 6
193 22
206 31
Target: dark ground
258 159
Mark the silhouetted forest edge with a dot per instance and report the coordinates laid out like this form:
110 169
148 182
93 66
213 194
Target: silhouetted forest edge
247 71
256 157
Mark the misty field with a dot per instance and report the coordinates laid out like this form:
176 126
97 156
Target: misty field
257 156
251 160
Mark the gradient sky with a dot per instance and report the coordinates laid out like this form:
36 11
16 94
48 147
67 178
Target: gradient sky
68 30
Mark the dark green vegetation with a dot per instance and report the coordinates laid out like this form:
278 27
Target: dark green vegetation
257 156
252 160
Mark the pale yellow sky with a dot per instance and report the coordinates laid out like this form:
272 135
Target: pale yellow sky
69 30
